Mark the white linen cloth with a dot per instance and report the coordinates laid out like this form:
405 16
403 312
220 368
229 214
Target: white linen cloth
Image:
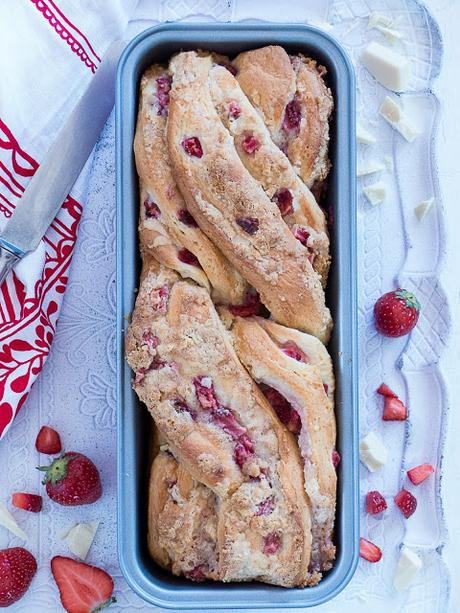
76 391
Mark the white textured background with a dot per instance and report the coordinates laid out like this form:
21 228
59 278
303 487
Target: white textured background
80 401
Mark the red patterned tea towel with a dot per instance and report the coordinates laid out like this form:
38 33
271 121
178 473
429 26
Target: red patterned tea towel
49 51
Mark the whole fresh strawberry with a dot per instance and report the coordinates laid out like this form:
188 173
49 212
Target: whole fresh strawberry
83 588
17 569
72 479
396 313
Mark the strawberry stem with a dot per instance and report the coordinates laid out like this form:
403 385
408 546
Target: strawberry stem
57 470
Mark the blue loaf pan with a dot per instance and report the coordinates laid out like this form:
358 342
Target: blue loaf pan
134 423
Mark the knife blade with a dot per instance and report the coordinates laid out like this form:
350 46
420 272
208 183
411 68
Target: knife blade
54 178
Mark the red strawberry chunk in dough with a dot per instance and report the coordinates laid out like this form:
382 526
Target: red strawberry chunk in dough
292 116
198 573
335 458
271 544
149 339
234 111
184 216
204 389
250 144
293 351
384 390
139 376
227 421
375 502
369 551
418 474
266 507
301 235
250 307
286 413
163 88
249 224
152 210
187 257
406 502
159 298
244 450
394 410
183 407
284 201
28 502
192 147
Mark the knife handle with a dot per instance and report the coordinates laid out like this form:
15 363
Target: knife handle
9 256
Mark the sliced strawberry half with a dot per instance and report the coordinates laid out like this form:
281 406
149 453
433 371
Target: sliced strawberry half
48 441
406 502
394 409
384 390
369 551
28 502
83 588
418 474
375 502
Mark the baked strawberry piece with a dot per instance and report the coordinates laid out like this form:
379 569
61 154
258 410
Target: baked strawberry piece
335 458
72 479
292 117
396 313
368 551
48 441
284 201
250 144
17 569
83 588
192 147
375 502
418 474
28 502
406 502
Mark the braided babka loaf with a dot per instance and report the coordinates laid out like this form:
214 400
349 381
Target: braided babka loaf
227 337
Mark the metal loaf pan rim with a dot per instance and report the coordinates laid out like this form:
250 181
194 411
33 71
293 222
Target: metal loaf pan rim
150 582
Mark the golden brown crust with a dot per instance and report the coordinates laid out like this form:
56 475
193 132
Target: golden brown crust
309 150
182 521
166 235
222 196
271 167
301 385
231 442
296 78
266 77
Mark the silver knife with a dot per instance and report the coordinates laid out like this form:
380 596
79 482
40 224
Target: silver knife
56 175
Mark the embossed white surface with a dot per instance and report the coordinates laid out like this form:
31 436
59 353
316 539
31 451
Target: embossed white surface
76 392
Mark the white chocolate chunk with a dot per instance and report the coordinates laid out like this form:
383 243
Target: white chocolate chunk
392 35
363 136
398 120
80 538
378 19
408 566
8 522
391 69
372 452
369 168
422 209
375 193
